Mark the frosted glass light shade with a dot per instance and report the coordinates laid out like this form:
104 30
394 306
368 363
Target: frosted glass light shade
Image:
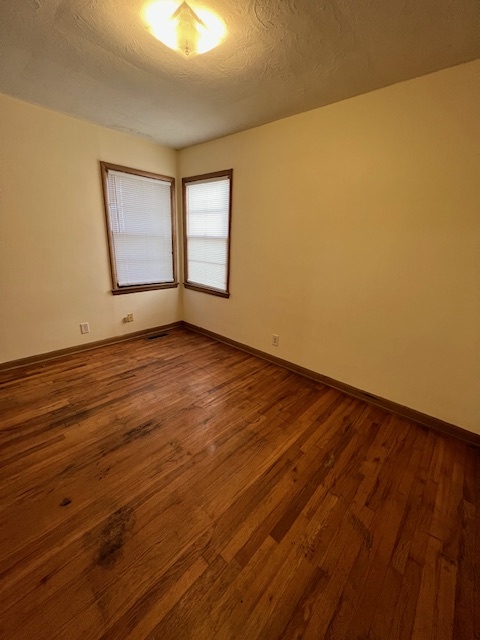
188 30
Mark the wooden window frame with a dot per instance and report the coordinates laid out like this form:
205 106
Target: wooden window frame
105 167
226 173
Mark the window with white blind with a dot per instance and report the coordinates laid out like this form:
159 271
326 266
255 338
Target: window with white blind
207 201
139 210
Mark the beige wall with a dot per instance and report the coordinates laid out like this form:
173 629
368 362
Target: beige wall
54 270
356 238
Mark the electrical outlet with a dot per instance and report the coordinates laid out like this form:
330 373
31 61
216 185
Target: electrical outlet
275 340
84 327
129 317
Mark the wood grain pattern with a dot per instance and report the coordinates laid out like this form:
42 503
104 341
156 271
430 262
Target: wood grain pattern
59 353
424 419
183 489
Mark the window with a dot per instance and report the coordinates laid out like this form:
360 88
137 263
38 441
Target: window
207 204
139 210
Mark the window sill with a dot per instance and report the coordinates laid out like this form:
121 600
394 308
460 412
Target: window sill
144 287
213 292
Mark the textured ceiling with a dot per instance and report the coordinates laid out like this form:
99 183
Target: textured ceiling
94 59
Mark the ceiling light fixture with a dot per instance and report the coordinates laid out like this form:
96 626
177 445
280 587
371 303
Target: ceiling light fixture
184 29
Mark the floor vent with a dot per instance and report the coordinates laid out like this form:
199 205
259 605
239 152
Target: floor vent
156 335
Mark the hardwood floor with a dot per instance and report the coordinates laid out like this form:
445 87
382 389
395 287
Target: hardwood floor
178 488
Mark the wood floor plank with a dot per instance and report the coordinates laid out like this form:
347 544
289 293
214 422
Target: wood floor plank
388 503
464 617
182 489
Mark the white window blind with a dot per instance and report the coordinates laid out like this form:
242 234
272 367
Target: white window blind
140 215
207 209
